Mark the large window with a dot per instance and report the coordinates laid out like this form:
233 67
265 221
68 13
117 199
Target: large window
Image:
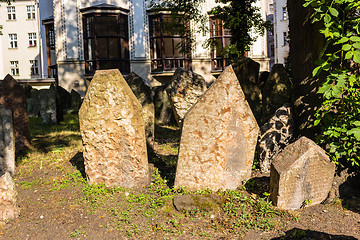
13 40
220 38
11 13
30 12
166 54
32 39
14 68
106 42
34 69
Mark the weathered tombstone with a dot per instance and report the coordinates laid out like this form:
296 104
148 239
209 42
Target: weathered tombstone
13 95
7 141
163 112
143 94
64 97
276 92
184 90
112 129
59 106
301 175
28 89
33 105
263 76
75 100
274 136
47 98
8 206
218 138
247 72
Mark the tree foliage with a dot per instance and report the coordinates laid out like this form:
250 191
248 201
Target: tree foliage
339 64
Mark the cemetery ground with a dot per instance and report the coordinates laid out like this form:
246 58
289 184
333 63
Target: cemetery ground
56 202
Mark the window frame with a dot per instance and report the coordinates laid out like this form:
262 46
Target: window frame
13 41
93 60
223 36
284 14
162 63
34 67
31 12
11 12
32 39
285 35
14 68
50 47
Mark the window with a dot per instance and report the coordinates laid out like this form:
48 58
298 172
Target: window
284 13
50 48
11 13
165 47
32 39
34 67
285 38
14 68
30 12
271 8
106 42
220 38
13 40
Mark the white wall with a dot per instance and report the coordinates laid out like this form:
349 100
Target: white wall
280 26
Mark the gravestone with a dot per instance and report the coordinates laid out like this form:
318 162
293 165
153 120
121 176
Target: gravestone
143 94
28 89
112 129
64 97
276 92
247 72
184 90
59 106
7 141
33 103
75 100
47 99
301 175
13 95
218 138
163 112
8 205
274 136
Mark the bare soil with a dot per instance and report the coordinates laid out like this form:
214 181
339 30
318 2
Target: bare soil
56 202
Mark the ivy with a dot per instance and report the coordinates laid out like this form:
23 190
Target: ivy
338 65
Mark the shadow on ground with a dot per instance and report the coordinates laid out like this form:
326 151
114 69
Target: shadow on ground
258 185
78 161
302 234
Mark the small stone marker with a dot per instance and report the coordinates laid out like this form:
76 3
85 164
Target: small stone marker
143 94
276 92
301 175
112 129
8 206
163 112
13 95
184 90
75 100
218 138
247 72
47 98
274 136
7 141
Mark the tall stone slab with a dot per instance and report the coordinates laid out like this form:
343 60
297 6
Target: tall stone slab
13 95
33 103
301 175
247 72
47 99
59 106
218 138
8 205
112 129
163 111
7 141
143 94
274 136
75 100
184 90
276 92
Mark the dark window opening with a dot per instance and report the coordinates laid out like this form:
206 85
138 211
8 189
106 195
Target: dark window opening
220 38
106 42
50 49
165 50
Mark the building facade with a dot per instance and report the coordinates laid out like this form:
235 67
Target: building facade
281 31
20 44
83 36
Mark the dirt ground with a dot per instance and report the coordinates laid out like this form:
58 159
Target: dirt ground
56 202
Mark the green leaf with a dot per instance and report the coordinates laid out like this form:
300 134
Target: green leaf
341 82
316 71
356 123
346 47
336 92
327 18
324 88
342 40
356 45
316 122
355 39
355 132
333 12
349 55
357 56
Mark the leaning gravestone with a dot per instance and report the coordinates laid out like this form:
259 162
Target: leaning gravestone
276 92
112 129
274 136
64 97
163 112
47 98
8 206
143 94
247 72
218 138
13 95
7 141
184 90
75 100
301 175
